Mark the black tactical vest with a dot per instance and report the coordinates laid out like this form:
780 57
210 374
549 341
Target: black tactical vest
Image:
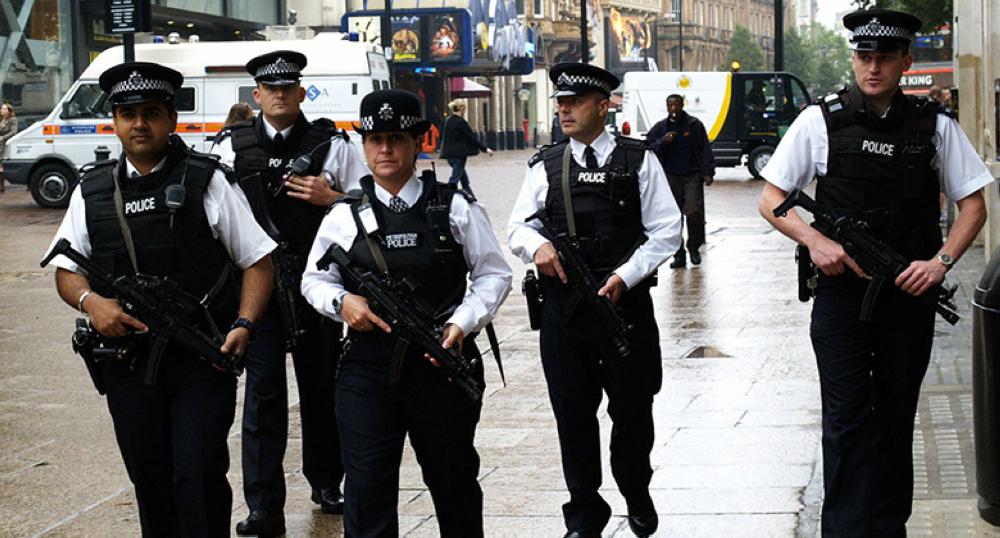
187 253
878 169
417 244
606 203
297 220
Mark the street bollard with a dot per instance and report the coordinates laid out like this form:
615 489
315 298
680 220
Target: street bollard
986 388
102 153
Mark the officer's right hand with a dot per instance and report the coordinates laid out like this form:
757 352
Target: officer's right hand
108 318
830 257
359 317
547 260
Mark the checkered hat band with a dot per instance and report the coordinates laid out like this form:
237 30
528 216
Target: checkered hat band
278 68
868 31
139 84
584 80
405 122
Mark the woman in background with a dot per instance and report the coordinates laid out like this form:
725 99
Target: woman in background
8 128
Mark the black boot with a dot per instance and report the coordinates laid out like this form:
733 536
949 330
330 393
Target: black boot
330 500
680 260
262 523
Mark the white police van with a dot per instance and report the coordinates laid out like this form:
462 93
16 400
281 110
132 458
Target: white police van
48 155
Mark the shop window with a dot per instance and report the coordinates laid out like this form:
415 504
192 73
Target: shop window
212 7
255 11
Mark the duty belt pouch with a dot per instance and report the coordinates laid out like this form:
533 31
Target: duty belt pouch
807 274
533 294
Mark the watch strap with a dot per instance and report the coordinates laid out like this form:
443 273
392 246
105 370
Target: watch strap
246 324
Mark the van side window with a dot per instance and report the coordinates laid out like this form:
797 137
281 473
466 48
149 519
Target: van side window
246 96
184 100
760 95
89 102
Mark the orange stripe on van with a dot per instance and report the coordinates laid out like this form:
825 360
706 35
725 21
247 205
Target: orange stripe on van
49 130
106 128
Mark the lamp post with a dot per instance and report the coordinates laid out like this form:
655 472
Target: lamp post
584 46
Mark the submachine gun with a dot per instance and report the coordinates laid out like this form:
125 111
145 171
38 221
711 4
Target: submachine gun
874 257
412 321
585 287
159 303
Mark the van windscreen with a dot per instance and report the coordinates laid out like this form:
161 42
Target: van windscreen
89 102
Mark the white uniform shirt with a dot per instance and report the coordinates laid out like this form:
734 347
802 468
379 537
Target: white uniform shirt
660 216
228 215
343 166
489 273
803 152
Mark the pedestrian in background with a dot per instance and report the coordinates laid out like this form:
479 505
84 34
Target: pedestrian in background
681 144
459 143
852 143
628 226
8 128
386 389
557 132
941 95
239 112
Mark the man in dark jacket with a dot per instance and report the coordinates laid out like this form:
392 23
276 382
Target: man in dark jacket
458 144
681 144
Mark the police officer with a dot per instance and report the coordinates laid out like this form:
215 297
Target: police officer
628 224
878 155
386 389
291 207
172 434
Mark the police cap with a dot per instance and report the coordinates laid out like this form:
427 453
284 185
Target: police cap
881 29
278 68
391 110
135 82
573 78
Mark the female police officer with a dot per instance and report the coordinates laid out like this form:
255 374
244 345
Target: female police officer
385 389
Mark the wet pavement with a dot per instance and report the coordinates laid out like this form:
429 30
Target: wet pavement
737 421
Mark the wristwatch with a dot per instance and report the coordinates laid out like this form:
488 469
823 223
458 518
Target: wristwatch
246 324
338 302
945 260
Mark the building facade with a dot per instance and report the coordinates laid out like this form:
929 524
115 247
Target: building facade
46 44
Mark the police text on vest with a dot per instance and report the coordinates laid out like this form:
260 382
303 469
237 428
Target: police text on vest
591 177
403 240
140 206
878 148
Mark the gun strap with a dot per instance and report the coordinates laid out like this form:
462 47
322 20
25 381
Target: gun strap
373 245
567 160
122 222
871 295
396 365
491 334
155 354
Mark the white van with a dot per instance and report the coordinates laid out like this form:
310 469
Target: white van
745 114
47 155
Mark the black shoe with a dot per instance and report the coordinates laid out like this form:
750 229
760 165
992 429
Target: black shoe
644 525
678 263
330 500
695 257
583 534
262 523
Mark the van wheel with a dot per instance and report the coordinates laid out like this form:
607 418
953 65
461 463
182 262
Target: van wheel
758 159
51 184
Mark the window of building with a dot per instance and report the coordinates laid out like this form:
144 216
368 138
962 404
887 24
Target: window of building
253 10
212 7
539 8
675 7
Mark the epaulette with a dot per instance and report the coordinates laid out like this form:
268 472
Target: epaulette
330 126
223 134
831 102
85 169
947 111
538 157
353 195
632 143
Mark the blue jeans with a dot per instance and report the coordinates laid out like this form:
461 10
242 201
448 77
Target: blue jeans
458 173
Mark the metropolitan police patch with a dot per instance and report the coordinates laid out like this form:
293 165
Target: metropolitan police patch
402 240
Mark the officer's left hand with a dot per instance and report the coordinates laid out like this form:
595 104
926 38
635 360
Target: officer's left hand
313 189
920 276
453 337
708 180
613 289
236 342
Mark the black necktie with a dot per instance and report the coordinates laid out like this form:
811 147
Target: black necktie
590 157
278 140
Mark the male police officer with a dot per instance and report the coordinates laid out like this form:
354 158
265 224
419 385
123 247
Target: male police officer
878 155
628 224
172 434
262 151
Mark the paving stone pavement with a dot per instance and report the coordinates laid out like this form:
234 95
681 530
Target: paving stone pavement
737 419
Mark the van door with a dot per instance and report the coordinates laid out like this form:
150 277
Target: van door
191 114
763 97
795 100
83 124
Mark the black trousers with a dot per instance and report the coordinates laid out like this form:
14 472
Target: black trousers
578 373
265 408
689 192
870 375
172 437
375 414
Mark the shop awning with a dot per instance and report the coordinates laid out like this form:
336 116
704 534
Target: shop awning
465 87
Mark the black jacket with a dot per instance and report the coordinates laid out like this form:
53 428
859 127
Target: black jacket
702 160
458 140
